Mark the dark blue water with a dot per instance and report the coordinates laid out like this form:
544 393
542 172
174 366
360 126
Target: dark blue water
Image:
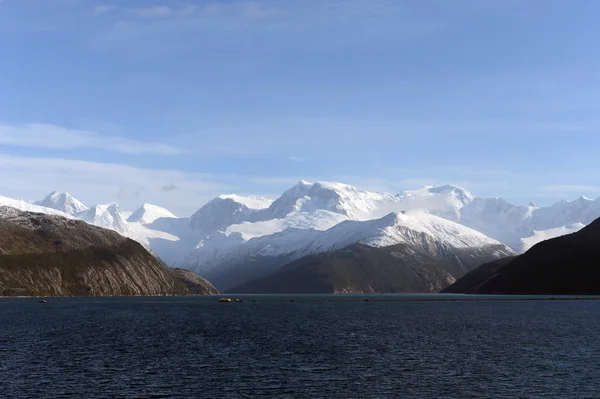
182 348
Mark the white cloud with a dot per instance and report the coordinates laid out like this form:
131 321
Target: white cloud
100 9
93 183
56 137
153 12
290 24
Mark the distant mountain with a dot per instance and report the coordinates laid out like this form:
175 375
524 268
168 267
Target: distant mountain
334 197
520 227
148 214
228 260
30 207
360 268
63 202
44 255
563 265
108 216
221 212
248 236
543 235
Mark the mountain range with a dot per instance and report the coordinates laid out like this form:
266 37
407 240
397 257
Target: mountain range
233 240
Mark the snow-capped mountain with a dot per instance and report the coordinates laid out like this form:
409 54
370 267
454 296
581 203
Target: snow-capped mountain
63 202
539 236
317 220
445 201
520 226
334 197
226 210
107 216
322 216
251 201
29 207
229 259
148 213
582 210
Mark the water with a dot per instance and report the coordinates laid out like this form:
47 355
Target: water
311 348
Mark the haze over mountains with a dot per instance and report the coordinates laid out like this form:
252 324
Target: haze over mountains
234 239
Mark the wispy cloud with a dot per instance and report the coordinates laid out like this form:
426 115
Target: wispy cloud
153 12
94 182
149 12
100 9
246 9
57 137
169 187
293 24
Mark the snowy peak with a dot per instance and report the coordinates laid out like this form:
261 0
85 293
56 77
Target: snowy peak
539 236
220 213
416 228
329 196
29 207
63 202
148 213
107 216
444 201
251 201
455 192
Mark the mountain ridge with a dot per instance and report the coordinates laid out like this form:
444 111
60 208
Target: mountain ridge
230 229
566 265
49 255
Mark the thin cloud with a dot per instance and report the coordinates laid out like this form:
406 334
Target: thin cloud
57 137
292 24
153 12
94 183
169 187
100 9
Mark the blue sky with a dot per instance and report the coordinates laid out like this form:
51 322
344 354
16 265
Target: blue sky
173 102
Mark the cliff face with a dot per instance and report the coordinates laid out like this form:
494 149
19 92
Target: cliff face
42 255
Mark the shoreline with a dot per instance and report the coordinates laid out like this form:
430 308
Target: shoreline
384 297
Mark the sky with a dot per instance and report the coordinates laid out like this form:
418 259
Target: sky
175 102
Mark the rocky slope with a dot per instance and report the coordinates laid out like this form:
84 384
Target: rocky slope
357 269
563 265
195 284
422 265
42 255
471 281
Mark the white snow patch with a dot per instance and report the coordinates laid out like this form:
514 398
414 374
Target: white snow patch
107 216
63 202
148 213
29 207
319 220
252 201
539 236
